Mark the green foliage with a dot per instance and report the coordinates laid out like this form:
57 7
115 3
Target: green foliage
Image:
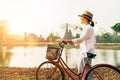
118 65
77 36
116 27
108 38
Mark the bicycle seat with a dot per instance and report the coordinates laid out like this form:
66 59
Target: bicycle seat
90 55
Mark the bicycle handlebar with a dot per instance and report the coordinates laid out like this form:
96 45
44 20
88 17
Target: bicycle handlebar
62 44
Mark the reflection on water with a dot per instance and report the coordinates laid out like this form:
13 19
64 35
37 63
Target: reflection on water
5 56
108 56
33 56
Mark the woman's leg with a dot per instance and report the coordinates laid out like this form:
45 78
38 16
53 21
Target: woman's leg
89 62
81 65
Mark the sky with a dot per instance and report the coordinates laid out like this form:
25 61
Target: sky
46 16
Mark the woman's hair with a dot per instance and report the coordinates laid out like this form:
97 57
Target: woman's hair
91 22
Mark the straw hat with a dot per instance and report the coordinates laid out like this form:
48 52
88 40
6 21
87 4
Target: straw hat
87 15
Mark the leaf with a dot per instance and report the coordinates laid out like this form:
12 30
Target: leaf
116 27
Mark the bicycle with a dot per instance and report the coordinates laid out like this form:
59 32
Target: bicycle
56 69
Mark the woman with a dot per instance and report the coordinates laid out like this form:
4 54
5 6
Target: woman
87 38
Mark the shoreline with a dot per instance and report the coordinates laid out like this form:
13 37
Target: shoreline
115 46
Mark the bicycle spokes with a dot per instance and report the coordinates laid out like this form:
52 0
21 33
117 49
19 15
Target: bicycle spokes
103 72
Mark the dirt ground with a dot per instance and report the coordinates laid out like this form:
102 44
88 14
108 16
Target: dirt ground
13 73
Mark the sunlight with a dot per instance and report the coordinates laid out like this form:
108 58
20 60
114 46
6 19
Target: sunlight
17 27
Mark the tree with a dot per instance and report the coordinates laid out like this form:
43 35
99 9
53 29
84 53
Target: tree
104 38
77 35
3 29
52 37
116 28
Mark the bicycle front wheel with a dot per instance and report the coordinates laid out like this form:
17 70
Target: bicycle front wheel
103 72
49 71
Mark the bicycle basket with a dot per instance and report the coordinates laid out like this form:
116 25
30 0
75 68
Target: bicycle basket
52 52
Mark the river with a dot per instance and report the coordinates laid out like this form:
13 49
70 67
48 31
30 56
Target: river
32 56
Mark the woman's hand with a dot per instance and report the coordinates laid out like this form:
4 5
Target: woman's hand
66 41
62 41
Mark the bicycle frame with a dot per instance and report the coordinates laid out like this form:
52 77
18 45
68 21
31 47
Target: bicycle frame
63 65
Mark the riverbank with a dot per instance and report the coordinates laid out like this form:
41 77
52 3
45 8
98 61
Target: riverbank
113 46
97 45
107 46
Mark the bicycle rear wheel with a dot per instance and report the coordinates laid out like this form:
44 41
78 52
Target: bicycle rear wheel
103 72
49 71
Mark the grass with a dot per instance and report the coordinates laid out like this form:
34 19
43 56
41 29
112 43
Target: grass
23 78
114 46
118 65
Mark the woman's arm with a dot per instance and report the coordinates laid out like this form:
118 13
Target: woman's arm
84 36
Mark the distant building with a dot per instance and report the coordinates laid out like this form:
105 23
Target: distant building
68 33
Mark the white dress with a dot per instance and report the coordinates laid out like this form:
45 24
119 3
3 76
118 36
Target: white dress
87 40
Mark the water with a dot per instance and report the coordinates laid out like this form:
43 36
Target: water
33 56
